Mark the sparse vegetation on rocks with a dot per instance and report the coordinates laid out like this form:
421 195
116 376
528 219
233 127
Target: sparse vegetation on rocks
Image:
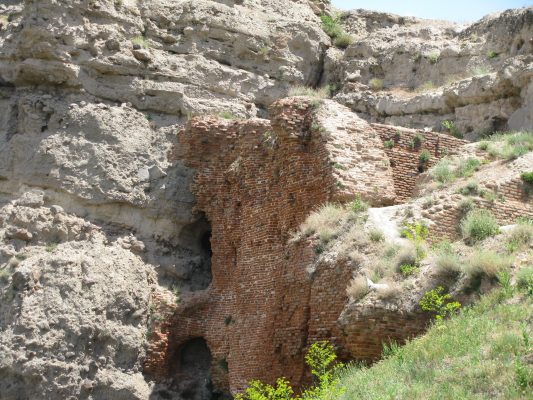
479 225
333 27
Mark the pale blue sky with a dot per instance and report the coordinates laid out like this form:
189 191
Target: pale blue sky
454 10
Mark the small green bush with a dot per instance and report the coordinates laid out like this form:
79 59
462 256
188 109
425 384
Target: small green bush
358 205
470 189
442 305
480 71
376 84
519 237
417 141
406 256
483 145
452 129
321 359
510 146
140 41
416 231
478 225
524 279
377 235
424 156
343 40
467 167
408 269
388 144
491 54
433 58
527 177
447 263
331 26
442 172
465 206
425 87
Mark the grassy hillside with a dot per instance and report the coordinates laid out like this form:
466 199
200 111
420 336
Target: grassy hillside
485 352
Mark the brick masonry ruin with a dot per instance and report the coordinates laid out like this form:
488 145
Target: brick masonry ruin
256 181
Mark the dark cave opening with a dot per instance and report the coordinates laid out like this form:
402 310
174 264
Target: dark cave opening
191 373
196 237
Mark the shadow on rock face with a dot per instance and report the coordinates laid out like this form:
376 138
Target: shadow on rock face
191 376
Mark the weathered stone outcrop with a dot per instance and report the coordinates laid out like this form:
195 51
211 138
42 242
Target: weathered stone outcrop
431 71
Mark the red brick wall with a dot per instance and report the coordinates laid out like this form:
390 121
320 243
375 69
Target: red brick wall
257 182
404 158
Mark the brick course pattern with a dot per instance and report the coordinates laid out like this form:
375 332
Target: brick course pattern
404 155
257 181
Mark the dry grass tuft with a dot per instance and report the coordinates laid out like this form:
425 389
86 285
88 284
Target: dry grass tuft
392 291
357 289
487 262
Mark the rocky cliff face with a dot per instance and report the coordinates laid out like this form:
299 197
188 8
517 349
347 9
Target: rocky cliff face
96 219
419 73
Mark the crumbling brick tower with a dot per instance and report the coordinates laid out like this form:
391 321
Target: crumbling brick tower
257 181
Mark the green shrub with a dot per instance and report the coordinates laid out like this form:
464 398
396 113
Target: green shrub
376 84
447 264
465 206
321 359
510 146
331 26
480 71
424 156
467 167
527 177
416 231
408 269
442 305
406 256
519 237
442 172
524 279
388 144
343 40
140 41
358 205
433 58
491 54
487 262
478 225
417 141
452 129
377 235
357 288
470 189
483 145
488 195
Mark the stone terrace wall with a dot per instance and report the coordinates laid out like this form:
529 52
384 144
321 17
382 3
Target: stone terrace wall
404 157
366 327
257 182
513 200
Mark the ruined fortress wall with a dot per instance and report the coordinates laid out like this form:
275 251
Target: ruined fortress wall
255 186
257 181
404 155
